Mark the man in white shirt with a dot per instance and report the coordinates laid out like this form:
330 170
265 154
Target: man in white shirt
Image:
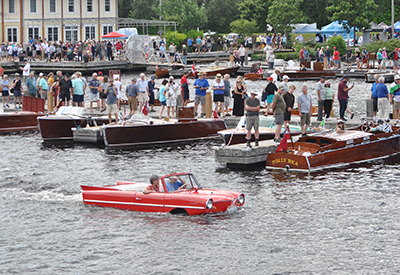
26 70
242 53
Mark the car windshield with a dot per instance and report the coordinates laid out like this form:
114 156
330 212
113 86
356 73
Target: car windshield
178 182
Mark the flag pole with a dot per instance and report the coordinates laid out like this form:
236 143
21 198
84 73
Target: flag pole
291 140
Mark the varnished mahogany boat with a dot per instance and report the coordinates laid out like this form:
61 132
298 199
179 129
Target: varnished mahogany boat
308 75
332 149
19 121
254 72
217 67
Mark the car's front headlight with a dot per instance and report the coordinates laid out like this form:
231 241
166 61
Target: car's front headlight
240 199
209 204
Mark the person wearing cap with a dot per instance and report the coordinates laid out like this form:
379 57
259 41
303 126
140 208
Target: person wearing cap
143 95
268 94
43 86
16 85
383 98
25 70
201 85
279 108
304 102
150 91
384 58
171 92
321 97
349 56
252 117
382 127
185 88
343 98
218 87
394 96
364 55
340 127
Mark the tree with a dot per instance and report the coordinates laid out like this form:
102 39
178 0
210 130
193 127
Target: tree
255 10
186 12
315 11
220 13
243 26
137 9
352 13
284 13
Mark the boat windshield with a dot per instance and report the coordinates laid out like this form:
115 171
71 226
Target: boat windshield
268 122
177 182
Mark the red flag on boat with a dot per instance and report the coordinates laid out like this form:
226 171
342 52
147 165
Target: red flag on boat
283 145
215 113
156 67
193 69
145 110
259 71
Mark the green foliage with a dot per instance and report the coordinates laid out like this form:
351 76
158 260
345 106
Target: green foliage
383 13
390 45
338 42
178 41
220 13
255 10
186 12
194 34
283 13
316 12
256 57
244 26
137 9
355 12
287 56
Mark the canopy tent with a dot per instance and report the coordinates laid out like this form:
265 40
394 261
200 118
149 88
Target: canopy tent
333 28
396 27
114 35
375 28
383 25
299 26
128 32
307 29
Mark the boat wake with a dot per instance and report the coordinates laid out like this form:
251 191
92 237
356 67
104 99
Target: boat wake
49 195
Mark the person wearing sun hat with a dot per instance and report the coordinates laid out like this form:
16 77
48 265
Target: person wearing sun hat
285 79
218 87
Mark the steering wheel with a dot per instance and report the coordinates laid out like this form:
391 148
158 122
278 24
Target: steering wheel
365 127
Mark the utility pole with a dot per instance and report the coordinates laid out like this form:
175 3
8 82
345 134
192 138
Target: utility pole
392 19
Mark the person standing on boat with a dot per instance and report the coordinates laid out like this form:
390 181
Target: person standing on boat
143 96
201 85
252 117
289 100
304 102
150 91
269 92
112 94
218 87
227 94
394 96
162 97
321 97
94 85
279 108
171 92
132 90
374 97
31 85
185 88
383 99
343 97
328 100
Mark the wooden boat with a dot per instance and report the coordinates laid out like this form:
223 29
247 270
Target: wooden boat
58 126
189 199
332 149
147 131
267 131
217 67
19 121
162 73
314 111
370 76
307 75
254 72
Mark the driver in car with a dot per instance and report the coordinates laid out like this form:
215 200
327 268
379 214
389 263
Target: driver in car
174 183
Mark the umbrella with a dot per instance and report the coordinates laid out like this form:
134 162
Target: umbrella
114 35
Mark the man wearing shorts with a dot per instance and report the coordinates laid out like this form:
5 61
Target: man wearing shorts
252 117
304 102
131 92
112 108
77 89
278 107
227 93
201 85
269 92
16 85
185 88
143 96
374 97
218 88
394 95
65 93
94 85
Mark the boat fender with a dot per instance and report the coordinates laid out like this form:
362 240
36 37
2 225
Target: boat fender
151 122
287 168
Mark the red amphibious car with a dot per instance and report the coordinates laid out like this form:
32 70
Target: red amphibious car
189 199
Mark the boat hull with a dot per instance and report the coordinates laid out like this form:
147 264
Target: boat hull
253 76
133 135
59 127
308 75
370 150
18 121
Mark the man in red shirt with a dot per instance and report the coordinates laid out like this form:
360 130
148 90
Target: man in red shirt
185 89
301 55
343 97
336 57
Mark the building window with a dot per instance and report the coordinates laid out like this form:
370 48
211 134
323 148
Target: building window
52 5
71 5
52 33
33 32
89 6
107 6
90 32
33 6
71 33
12 34
107 29
11 6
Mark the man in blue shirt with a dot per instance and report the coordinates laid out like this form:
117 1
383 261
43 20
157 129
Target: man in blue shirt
227 94
190 44
198 43
374 96
383 99
201 85
174 184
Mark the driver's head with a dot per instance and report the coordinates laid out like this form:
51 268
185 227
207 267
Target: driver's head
173 179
